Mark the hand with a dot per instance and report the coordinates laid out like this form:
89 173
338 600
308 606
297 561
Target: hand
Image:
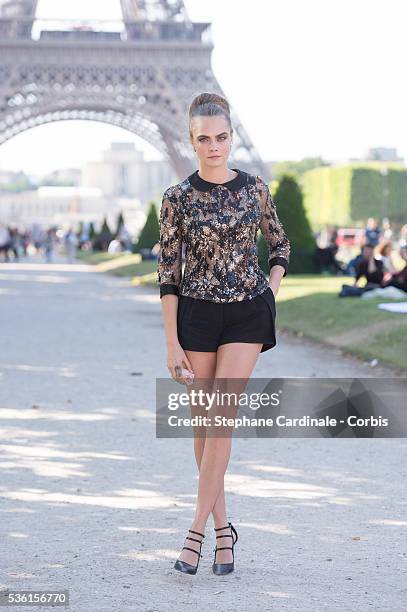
176 361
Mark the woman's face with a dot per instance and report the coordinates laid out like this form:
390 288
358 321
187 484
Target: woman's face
367 252
212 140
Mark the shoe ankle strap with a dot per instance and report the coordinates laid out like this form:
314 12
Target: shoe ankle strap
194 540
197 532
226 527
192 550
233 530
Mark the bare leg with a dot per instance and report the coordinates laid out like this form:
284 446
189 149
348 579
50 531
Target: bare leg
204 367
219 509
234 360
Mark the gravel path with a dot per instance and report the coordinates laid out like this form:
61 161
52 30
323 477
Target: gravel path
93 502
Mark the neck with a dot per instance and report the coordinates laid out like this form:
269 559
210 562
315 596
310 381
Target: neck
216 175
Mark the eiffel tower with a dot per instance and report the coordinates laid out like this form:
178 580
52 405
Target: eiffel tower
141 77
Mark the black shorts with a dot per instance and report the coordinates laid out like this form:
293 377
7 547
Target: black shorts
204 325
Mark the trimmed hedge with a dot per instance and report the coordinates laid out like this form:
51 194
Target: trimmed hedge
348 195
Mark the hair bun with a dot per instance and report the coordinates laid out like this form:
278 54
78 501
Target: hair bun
209 98
209 104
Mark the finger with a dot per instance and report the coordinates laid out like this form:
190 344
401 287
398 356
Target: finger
188 364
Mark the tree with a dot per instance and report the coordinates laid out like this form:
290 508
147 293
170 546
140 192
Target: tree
92 232
120 223
290 209
103 238
150 233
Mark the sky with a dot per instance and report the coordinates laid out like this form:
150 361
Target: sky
316 78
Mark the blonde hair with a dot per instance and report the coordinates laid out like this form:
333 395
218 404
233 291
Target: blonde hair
209 105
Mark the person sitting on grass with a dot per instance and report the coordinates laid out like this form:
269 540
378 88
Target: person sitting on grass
383 252
370 268
399 279
403 242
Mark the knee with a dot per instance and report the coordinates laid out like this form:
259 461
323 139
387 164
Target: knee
199 434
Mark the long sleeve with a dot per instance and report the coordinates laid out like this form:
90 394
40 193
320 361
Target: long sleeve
169 269
272 230
360 270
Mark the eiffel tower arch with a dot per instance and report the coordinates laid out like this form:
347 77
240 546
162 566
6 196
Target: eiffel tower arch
141 77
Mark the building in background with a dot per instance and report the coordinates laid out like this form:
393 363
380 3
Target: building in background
65 176
123 172
384 154
123 181
64 206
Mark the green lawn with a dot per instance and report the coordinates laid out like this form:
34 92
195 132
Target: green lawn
143 268
95 258
310 306
390 347
119 264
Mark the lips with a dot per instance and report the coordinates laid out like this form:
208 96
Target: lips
214 156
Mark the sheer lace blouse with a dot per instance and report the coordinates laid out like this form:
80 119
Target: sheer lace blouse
215 226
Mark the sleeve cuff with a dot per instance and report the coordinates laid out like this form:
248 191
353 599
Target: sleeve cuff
280 261
167 288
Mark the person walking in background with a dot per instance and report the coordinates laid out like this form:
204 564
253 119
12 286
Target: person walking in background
49 245
124 238
387 232
15 242
372 232
5 240
71 242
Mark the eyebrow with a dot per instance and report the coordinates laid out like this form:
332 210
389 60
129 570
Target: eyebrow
222 133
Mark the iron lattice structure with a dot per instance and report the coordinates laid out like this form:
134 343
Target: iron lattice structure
141 76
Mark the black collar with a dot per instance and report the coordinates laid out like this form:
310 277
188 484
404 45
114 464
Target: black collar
234 184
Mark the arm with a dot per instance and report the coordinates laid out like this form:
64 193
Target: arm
169 272
273 232
169 269
170 264
359 272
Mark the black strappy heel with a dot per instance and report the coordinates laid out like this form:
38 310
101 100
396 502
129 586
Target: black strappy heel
183 566
225 568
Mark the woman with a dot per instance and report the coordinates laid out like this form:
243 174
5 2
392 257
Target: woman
403 243
399 279
221 314
370 268
384 251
